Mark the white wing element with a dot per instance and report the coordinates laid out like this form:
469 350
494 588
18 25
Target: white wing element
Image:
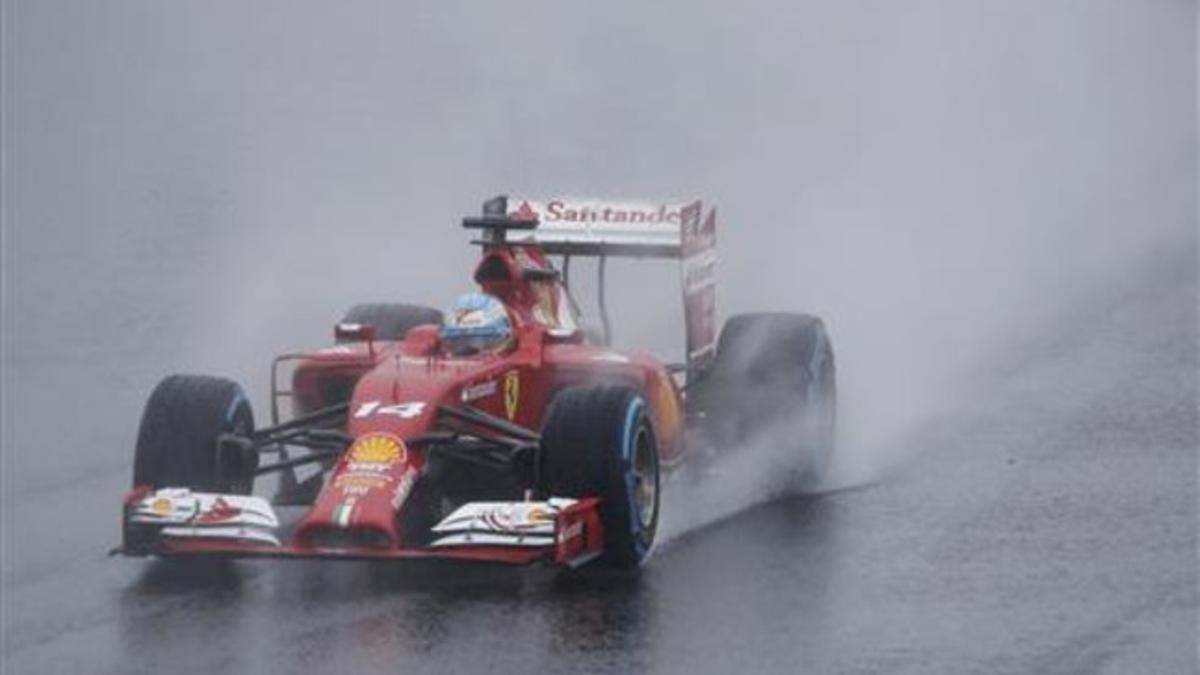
501 523
234 532
184 513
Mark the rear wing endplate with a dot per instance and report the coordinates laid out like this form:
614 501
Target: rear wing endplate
637 229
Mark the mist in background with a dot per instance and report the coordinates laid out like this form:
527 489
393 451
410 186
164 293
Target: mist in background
199 186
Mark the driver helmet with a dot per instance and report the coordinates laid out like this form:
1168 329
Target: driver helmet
476 323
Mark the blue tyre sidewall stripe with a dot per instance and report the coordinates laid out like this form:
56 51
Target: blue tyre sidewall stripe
231 411
635 525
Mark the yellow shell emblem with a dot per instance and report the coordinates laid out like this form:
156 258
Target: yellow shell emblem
161 506
377 448
512 393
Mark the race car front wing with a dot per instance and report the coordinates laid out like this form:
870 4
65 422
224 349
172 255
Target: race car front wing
171 522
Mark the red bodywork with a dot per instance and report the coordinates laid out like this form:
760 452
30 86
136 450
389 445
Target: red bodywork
398 387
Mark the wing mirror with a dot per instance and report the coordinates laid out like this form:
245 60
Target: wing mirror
354 332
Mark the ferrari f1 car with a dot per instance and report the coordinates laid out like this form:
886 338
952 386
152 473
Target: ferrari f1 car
548 447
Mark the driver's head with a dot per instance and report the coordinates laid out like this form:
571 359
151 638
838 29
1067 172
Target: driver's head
476 323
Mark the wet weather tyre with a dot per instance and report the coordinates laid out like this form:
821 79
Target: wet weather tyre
391 320
773 371
178 437
598 441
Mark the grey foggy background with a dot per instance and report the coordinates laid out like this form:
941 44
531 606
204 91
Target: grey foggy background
198 186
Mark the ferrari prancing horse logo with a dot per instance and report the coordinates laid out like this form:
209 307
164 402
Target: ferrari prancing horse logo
512 392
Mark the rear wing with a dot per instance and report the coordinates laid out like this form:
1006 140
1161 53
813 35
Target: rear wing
598 228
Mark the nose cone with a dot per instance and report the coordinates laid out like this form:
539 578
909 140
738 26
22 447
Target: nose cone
358 506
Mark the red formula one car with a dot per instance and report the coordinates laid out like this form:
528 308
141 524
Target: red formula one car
546 447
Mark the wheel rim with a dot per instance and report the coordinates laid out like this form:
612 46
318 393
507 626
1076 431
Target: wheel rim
645 479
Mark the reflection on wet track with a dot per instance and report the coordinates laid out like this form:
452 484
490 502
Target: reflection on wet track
322 617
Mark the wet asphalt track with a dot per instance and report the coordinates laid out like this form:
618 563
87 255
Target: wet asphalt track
1046 528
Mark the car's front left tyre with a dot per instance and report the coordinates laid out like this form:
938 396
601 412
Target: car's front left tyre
179 435
598 441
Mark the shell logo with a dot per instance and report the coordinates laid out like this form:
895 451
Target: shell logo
377 448
161 506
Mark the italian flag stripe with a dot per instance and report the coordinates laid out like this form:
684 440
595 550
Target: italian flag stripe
341 514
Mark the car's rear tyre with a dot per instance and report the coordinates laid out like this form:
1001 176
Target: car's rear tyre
598 442
177 442
391 320
773 371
